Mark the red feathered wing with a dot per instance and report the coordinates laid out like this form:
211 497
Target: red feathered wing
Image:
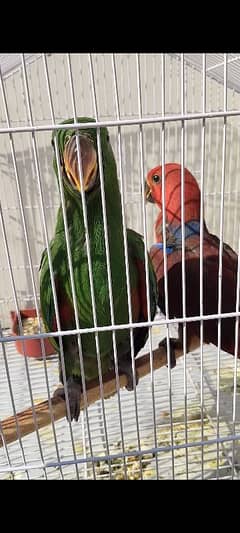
210 287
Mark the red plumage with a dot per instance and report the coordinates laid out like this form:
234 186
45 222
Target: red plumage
192 199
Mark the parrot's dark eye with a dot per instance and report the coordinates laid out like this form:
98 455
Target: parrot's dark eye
156 178
107 137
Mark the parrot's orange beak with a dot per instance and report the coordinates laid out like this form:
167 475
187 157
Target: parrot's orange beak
148 195
88 160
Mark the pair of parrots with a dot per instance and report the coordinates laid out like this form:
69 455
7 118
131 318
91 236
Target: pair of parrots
66 143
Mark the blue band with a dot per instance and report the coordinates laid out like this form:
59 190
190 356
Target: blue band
190 228
159 245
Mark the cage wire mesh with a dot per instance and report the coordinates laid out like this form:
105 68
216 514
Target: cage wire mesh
183 424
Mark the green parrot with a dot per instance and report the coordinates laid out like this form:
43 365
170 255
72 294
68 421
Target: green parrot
67 145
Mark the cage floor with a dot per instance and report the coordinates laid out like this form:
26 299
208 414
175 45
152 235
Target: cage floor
49 456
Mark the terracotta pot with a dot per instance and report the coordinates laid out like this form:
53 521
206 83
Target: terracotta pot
30 347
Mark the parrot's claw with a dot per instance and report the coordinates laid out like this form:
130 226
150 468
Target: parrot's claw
125 367
59 393
173 343
74 396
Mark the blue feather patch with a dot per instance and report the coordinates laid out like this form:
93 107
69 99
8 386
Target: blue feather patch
159 245
190 228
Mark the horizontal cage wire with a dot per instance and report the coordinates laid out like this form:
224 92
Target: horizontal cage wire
81 319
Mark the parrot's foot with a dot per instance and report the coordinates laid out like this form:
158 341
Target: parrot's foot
74 395
125 367
173 344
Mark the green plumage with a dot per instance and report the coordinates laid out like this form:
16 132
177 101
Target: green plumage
99 265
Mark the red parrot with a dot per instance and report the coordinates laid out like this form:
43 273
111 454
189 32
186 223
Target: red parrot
211 243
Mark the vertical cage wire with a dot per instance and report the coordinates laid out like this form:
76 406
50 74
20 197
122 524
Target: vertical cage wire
215 196
36 161
48 251
30 265
235 209
145 230
11 472
12 398
107 249
90 273
31 271
201 251
234 408
231 186
220 255
183 255
165 259
69 258
26 362
82 419
5 446
126 247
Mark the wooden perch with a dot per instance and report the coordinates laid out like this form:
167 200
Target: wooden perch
25 419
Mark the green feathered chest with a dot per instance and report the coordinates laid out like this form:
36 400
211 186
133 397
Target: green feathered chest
100 278
90 304
96 302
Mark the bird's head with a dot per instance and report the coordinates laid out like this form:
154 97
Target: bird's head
172 177
68 152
